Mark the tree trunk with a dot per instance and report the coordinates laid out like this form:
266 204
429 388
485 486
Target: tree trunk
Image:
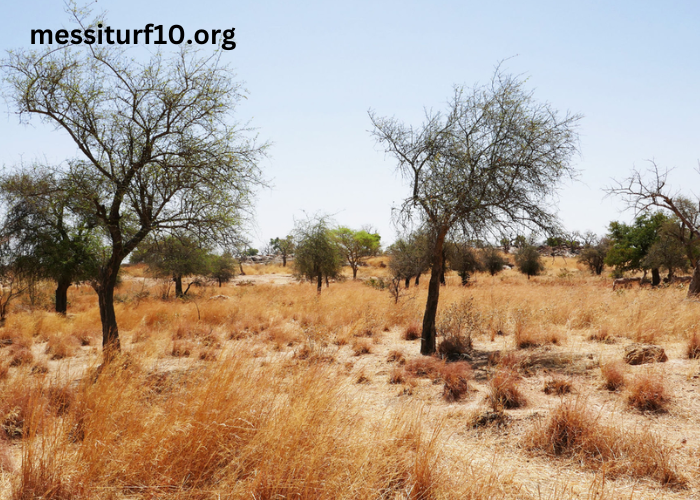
240 264
284 260
105 298
694 288
178 286
220 281
655 277
417 280
319 285
327 283
354 272
408 282
62 296
465 278
427 343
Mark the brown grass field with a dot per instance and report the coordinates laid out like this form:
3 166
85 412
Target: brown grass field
263 390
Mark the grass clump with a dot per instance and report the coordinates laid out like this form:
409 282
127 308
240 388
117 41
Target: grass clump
572 431
504 392
613 374
647 392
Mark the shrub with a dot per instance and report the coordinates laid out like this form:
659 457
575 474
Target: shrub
398 375
504 391
454 348
528 261
647 392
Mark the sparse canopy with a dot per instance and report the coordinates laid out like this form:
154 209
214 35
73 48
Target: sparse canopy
158 149
356 246
593 254
492 161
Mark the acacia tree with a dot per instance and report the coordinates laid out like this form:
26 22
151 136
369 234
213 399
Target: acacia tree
356 246
593 253
55 242
410 257
630 244
158 149
493 160
175 256
492 260
317 256
284 246
529 261
464 259
223 267
643 190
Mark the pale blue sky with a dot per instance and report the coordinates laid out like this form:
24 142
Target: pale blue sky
313 69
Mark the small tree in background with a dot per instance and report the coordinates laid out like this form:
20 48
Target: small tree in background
223 267
41 222
492 260
529 261
464 259
317 256
410 257
284 246
176 256
356 246
593 255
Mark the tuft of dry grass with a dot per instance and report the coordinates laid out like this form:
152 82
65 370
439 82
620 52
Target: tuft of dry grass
456 377
412 331
504 392
361 346
60 346
613 373
572 431
557 386
182 349
454 347
647 392
396 356
693 348
20 356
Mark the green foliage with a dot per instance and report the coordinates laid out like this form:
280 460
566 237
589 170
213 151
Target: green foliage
283 246
492 260
631 243
593 255
356 246
317 255
464 259
529 261
410 256
251 252
223 267
177 256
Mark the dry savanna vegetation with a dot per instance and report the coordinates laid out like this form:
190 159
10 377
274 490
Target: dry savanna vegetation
264 389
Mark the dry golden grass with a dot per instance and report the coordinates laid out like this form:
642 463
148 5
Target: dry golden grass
574 431
262 395
647 392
